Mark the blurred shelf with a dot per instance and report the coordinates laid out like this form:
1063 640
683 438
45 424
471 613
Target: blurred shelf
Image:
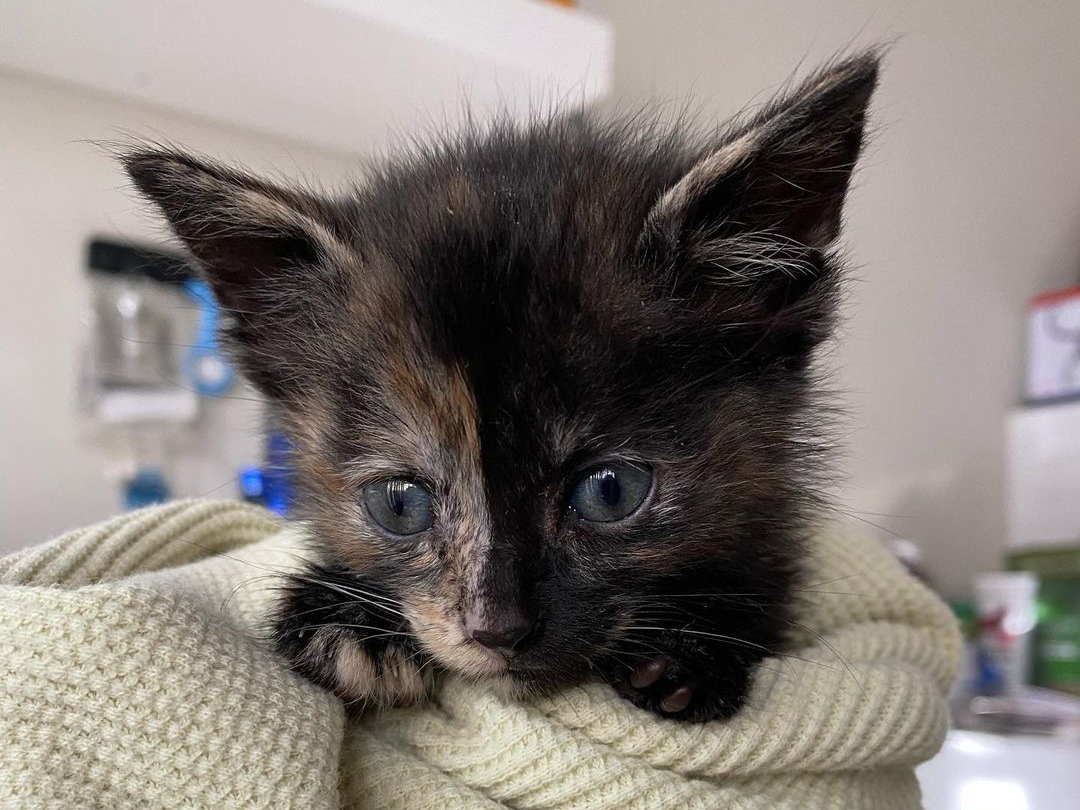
340 74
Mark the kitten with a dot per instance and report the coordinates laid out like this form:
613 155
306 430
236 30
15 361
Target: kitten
550 392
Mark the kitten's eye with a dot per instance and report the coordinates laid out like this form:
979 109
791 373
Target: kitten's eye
399 506
610 493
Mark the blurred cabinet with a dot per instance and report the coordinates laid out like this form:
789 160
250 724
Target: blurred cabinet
1043 476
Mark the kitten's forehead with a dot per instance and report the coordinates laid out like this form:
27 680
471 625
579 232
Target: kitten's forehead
479 324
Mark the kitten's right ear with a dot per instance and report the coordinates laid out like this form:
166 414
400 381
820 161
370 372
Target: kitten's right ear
271 255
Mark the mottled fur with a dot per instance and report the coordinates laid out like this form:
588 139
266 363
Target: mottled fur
494 313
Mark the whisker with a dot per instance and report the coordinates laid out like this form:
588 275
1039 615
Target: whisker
383 633
339 606
373 595
705 634
232 592
738 641
345 591
831 649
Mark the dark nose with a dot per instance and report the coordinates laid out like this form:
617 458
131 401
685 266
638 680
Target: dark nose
507 631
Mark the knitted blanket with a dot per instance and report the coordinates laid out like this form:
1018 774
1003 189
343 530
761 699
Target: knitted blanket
133 674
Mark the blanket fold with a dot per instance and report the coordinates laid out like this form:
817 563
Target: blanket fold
134 673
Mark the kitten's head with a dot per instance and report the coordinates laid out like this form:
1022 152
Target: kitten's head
548 383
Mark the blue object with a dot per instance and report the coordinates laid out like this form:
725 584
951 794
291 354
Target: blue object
277 475
989 679
146 488
205 367
272 484
252 486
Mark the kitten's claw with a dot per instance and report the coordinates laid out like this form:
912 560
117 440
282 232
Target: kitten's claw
661 685
678 700
648 673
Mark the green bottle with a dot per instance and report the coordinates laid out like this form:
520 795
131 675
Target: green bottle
1056 650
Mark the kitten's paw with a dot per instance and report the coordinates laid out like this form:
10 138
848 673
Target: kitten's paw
664 686
359 651
363 673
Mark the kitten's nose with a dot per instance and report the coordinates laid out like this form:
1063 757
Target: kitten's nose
506 632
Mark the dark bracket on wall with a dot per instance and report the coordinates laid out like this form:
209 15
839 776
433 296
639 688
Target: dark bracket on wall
119 259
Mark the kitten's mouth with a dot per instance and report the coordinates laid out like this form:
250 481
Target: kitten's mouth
527 673
528 680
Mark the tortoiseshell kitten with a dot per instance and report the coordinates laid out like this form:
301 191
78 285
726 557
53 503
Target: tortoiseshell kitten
550 392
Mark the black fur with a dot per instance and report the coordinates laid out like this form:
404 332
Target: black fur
605 289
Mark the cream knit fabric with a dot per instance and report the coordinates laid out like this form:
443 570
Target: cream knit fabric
133 675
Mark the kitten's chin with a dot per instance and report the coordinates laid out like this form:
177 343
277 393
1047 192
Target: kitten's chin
524 681
517 686
510 679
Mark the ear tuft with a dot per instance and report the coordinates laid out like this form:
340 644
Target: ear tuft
158 173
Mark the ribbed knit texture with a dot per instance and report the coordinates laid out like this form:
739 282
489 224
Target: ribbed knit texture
134 674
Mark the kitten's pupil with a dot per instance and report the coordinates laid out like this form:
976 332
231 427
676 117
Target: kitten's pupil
395 497
610 490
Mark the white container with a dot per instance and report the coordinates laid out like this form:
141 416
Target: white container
1005 604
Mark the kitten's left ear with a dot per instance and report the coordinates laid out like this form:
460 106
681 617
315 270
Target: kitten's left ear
758 213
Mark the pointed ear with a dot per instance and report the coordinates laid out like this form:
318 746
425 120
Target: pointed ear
271 255
784 172
758 213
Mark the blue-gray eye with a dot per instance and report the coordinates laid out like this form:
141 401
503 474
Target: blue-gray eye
398 505
610 493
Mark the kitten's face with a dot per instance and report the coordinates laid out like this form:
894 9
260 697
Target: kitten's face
548 388
494 382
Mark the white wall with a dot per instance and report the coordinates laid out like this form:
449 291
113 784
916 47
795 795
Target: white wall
967 204
56 190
